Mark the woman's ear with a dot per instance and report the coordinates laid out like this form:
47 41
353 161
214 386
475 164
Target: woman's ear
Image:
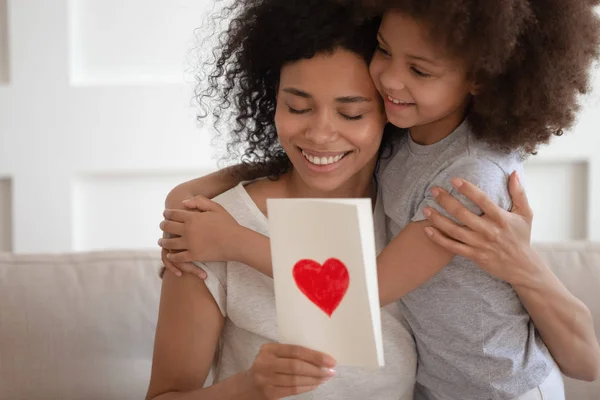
475 88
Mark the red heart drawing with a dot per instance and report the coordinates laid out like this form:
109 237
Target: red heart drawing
325 285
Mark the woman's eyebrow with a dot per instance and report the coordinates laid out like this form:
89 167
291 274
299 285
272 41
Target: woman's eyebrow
343 99
297 92
352 99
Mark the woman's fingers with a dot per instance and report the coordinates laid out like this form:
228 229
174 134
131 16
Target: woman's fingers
283 392
296 367
456 209
519 198
316 358
477 196
451 245
452 229
282 370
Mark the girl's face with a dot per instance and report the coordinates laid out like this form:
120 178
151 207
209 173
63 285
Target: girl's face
330 120
422 88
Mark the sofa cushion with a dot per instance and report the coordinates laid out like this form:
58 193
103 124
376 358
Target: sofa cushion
81 326
77 326
577 265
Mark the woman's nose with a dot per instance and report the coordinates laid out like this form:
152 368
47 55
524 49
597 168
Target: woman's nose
322 129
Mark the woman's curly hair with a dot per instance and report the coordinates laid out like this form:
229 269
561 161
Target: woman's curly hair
238 87
533 59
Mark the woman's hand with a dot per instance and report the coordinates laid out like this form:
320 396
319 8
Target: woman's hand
499 241
204 232
282 370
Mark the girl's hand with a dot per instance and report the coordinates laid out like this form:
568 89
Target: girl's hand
498 241
204 232
282 370
178 268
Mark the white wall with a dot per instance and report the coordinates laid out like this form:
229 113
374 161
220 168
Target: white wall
96 121
93 94
564 179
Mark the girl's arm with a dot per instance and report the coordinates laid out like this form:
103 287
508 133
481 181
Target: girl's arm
499 242
215 183
213 235
208 186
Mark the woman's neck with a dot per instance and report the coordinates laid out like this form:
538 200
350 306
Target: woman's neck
360 185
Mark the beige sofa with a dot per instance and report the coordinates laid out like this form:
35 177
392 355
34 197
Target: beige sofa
81 326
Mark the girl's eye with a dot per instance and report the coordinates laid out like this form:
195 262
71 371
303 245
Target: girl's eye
351 117
419 73
382 50
294 111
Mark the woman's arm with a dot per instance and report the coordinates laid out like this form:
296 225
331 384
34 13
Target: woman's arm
499 242
187 333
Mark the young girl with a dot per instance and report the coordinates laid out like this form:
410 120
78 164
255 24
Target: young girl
474 86
317 59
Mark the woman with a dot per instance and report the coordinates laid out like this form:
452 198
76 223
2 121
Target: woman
318 59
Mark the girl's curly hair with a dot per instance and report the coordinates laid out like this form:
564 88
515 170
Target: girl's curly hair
533 59
239 85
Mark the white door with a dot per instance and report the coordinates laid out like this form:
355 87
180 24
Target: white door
96 120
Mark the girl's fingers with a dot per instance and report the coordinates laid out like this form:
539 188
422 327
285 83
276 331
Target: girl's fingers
172 243
191 268
172 227
181 257
200 203
169 266
173 269
176 215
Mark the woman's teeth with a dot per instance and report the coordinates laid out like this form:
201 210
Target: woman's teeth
323 160
395 101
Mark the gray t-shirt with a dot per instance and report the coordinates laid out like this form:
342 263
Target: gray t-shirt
474 338
247 300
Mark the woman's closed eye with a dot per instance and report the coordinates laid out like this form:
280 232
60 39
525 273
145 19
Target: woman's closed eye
351 117
298 111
